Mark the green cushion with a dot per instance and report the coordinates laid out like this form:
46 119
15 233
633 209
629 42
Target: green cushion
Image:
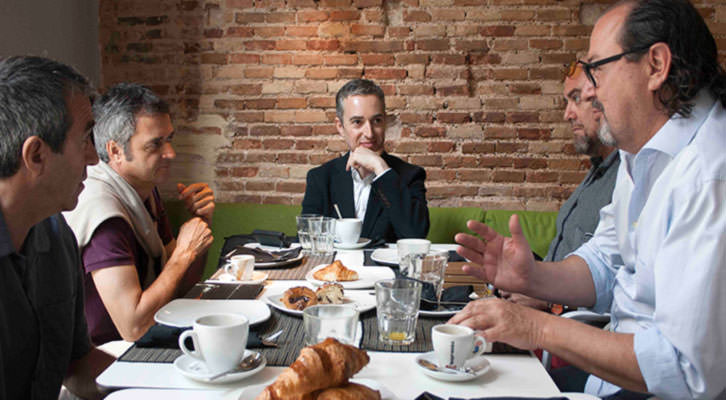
539 227
447 222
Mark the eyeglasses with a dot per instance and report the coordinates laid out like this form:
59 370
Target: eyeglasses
590 67
572 68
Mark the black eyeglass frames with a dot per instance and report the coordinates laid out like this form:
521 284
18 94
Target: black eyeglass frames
588 67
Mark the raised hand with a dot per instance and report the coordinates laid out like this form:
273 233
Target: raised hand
505 262
199 200
366 160
194 237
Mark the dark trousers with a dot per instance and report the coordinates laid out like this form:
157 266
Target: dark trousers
572 379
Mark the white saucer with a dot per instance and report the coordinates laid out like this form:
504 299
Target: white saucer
361 243
458 376
442 313
197 370
257 277
385 256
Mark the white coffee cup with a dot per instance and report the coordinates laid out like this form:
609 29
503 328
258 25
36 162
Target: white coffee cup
455 344
347 230
219 341
241 266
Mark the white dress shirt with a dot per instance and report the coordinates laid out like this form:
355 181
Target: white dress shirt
658 256
362 190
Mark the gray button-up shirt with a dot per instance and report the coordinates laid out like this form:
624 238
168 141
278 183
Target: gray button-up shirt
42 325
578 217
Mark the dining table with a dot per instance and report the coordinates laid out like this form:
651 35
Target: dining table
392 371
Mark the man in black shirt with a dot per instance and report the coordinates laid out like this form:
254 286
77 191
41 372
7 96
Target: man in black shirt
45 146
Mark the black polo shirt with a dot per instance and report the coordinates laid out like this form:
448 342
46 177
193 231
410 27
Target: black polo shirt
42 325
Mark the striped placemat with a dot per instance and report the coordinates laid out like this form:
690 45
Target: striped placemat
298 272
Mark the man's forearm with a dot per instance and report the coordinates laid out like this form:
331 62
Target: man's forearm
81 376
606 354
565 282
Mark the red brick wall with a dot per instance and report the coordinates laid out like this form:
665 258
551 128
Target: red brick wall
472 86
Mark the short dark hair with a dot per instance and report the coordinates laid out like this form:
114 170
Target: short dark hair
694 64
34 94
116 111
357 87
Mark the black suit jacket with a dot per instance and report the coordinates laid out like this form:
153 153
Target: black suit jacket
396 206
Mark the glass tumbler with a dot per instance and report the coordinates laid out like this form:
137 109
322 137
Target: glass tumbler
397 303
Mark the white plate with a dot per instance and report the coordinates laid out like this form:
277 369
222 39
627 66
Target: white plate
457 377
197 370
446 313
273 248
385 256
251 392
367 276
257 277
181 313
362 300
361 243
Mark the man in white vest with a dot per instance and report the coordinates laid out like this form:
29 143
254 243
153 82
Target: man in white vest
132 262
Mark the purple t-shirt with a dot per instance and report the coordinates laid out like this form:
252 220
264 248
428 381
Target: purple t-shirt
113 243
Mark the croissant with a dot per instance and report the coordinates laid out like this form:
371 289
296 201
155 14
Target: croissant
326 364
335 272
351 391
299 297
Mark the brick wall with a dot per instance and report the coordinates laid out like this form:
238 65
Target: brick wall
472 88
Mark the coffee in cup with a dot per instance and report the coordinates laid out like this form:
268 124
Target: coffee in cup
241 267
347 230
219 341
455 344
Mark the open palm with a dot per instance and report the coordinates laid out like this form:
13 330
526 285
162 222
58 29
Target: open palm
506 262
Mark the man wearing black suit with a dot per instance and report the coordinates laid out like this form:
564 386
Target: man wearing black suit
385 191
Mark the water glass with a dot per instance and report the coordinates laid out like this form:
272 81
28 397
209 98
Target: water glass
322 235
303 229
397 303
409 250
431 268
338 321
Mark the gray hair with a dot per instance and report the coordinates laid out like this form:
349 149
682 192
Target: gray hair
33 102
116 111
357 87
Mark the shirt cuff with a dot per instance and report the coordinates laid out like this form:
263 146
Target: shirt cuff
659 365
600 277
381 174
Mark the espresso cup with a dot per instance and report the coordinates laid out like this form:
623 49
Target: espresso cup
347 230
219 341
455 344
241 267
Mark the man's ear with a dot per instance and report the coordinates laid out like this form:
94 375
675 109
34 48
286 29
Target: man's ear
114 151
659 65
34 155
339 127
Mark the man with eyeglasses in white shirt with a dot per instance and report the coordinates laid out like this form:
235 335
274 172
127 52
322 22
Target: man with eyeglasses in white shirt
657 261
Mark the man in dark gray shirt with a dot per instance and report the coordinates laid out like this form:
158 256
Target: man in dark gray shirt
45 146
579 215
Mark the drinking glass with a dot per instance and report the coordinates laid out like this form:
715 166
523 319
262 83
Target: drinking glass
431 269
397 303
303 229
322 235
408 251
338 321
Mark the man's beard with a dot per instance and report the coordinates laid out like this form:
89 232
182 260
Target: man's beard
584 144
604 133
